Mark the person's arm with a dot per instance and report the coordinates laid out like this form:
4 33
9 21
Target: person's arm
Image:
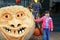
51 23
39 19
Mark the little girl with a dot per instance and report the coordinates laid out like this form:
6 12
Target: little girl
47 25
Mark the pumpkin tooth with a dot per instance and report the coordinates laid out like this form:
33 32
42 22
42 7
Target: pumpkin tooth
20 32
8 30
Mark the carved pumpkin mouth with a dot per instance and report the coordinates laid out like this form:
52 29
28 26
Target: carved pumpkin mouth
15 32
21 30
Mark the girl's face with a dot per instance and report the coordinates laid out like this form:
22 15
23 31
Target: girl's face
47 15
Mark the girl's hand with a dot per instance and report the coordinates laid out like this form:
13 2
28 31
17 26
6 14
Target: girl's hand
51 29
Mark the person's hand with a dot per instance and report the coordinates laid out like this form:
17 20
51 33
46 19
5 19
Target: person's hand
51 29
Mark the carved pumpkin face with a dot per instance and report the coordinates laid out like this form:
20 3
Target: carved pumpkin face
16 23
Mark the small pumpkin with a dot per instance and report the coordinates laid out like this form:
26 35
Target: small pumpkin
36 32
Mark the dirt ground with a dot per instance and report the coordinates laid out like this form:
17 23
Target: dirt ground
54 36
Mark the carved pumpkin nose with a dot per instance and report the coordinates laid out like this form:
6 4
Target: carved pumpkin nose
16 25
12 25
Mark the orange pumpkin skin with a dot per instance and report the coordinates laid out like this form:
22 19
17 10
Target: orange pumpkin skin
36 32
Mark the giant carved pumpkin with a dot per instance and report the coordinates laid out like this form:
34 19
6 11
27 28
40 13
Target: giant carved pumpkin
16 23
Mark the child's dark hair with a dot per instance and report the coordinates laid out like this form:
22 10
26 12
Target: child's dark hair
47 12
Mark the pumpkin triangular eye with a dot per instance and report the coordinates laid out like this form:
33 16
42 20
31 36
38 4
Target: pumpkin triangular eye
20 14
6 16
17 15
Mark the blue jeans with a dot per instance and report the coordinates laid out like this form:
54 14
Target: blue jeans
46 34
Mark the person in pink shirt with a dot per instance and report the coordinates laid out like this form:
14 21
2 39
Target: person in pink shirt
47 25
